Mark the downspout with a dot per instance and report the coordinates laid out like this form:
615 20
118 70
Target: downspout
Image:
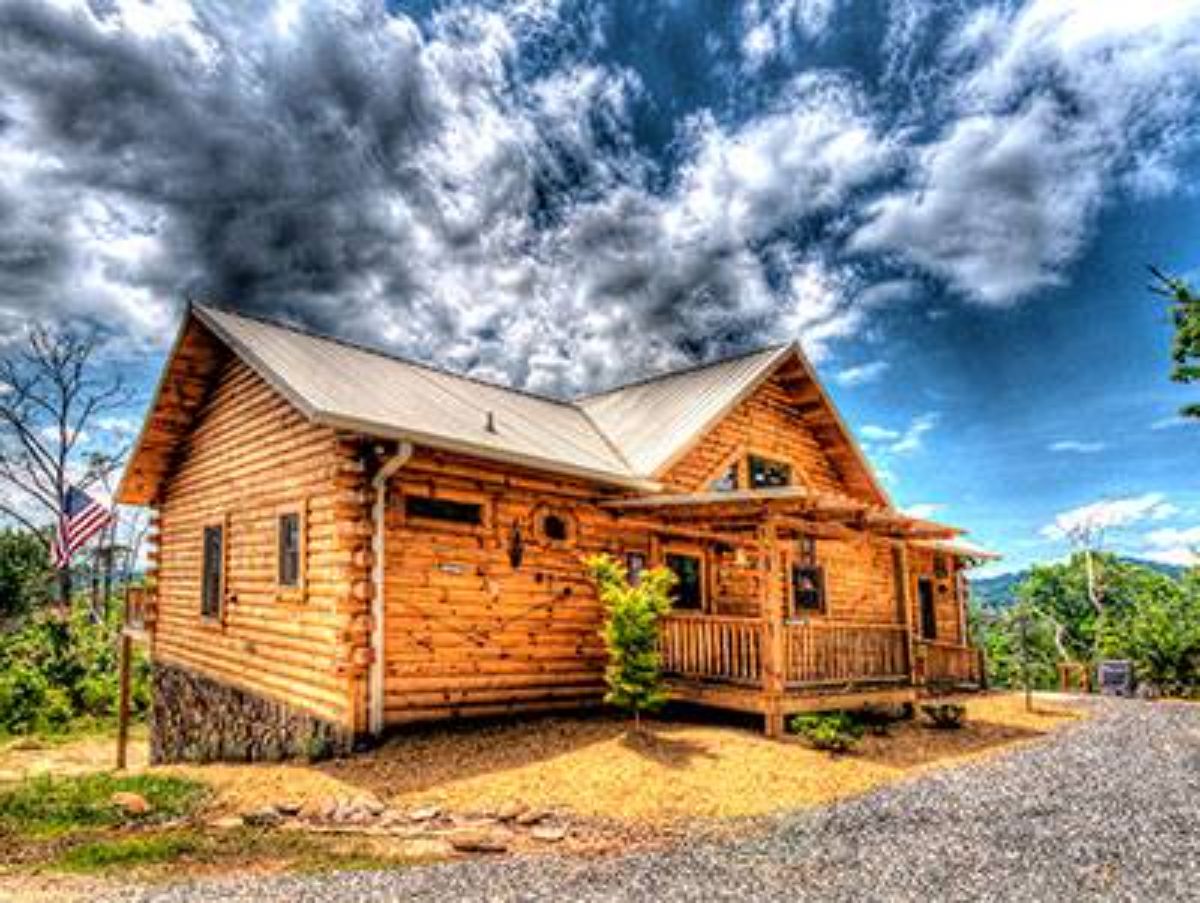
375 686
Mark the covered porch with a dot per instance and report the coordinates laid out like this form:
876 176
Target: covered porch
785 625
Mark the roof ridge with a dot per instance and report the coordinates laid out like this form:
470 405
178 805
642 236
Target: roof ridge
384 353
682 371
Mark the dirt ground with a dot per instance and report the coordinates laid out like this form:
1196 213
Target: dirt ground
692 766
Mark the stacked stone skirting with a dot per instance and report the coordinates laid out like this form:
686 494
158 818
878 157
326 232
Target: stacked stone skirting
194 718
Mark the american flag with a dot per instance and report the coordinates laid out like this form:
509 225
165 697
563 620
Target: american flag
82 518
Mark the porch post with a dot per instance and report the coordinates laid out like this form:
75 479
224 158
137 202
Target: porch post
771 609
904 588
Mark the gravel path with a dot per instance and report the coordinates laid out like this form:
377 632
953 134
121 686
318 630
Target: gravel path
1108 809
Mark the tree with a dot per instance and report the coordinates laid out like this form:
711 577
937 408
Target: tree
49 396
634 672
25 576
1185 311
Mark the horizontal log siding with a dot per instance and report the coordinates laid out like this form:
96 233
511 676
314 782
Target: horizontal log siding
767 423
248 454
466 632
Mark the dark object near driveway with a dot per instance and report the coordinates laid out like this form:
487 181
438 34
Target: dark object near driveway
946 716
1115 677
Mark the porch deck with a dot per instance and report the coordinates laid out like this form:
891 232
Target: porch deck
749 664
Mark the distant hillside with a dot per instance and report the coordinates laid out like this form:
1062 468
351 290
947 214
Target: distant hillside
997 592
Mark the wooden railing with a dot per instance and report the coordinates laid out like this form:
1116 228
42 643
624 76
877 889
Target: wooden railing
139 609
712 647
948 663
823 652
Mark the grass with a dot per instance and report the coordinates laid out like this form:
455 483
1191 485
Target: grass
47 806
126 852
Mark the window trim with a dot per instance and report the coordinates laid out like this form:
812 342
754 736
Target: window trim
700 553
569 520
933 602
220 523
794 611
741 457
404 493
297 589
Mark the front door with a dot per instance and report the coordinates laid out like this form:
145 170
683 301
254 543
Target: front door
928 602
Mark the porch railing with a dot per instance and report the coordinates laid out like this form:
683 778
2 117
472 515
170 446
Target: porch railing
823 652
949 663
712 647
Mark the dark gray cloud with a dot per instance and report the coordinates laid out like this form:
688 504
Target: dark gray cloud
422 186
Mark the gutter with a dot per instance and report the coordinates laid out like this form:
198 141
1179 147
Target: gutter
375 684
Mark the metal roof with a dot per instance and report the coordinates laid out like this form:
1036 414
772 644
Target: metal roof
625 436
654 420
347 386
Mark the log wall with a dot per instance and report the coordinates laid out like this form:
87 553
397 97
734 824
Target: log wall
248 456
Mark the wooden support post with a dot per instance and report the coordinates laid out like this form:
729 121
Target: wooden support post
123 677
771 604
904 590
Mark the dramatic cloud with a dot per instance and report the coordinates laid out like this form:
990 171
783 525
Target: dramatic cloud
1109 514
1077 447
470 184
1051 105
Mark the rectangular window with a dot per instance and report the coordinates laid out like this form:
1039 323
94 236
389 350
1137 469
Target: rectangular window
212 583
689 588
928 602
808 589
635 563
726 482
444 510
289 549
766 474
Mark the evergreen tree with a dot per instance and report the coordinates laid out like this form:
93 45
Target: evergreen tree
634 673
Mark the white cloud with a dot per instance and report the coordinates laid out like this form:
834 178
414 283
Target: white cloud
1055 106
1076 446
1172 422
772 26
1109 514
1173 546
924 510
879 439
861 374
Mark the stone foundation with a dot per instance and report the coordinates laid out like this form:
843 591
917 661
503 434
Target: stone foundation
194 718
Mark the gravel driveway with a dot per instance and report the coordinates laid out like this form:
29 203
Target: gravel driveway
1107 809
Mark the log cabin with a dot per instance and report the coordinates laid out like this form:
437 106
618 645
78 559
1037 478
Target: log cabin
344 541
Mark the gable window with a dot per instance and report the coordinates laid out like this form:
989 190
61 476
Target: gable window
766 473
446 510
727 481
289 549
926 598
688 592
212 582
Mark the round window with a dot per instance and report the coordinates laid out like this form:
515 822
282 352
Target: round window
555 528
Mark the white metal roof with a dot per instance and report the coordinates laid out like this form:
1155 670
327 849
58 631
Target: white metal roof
653 420
625 436
346 386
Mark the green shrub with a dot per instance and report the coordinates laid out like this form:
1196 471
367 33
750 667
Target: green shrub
55 671
945 715
47 805
831 731
633 674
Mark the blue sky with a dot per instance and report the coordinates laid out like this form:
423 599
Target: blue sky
951 206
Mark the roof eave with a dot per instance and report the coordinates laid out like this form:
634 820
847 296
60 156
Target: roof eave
339 421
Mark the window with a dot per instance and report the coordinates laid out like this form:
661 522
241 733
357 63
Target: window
289 549
728 481
925 595
635 563
212 583
765 473
941 566
443 510
808 589
689 588
555 528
